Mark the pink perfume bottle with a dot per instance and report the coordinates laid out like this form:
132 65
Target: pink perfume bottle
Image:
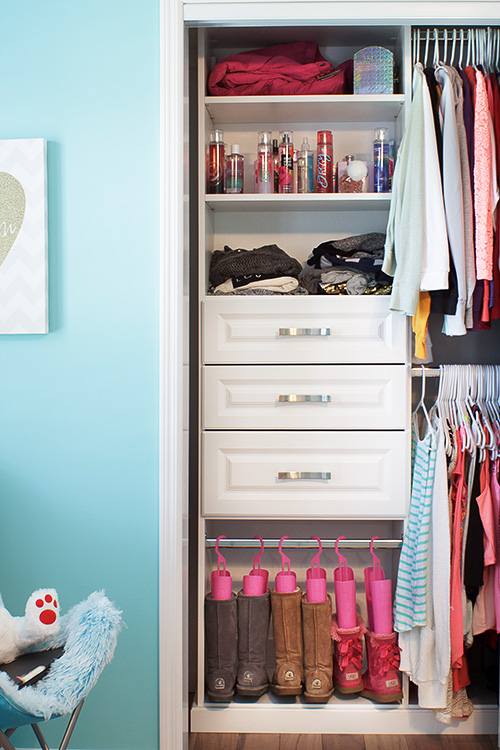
325 171
285 169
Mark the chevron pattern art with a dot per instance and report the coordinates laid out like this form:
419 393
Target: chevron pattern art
23 236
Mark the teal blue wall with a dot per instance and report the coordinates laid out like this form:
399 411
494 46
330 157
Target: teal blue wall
79 406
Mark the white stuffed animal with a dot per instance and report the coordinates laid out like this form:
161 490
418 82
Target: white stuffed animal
18 635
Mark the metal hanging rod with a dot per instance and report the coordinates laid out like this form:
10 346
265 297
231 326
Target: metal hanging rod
429 372
422 30
305 543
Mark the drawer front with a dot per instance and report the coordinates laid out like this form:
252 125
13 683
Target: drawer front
338 397
283 474
302 330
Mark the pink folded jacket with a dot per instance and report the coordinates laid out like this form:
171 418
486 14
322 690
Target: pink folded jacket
283 69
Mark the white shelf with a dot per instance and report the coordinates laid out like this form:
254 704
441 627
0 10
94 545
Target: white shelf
285 109
340 715
294 201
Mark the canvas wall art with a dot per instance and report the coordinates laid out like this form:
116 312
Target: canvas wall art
23 236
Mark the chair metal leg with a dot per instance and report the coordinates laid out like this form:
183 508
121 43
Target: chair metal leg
67 734
4 740
40 737
71 725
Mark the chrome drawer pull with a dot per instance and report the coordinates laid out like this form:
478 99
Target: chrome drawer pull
304 332
304 475
300 398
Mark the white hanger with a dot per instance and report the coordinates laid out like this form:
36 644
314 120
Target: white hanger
416 36
436 48
426 51
452 57
421 403
462 38
445 48
444 409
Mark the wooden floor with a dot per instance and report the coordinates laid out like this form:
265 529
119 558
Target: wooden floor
341 742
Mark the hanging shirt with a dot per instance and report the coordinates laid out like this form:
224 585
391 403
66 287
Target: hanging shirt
425 651
470 258
482 182
416 250
410 599
454 325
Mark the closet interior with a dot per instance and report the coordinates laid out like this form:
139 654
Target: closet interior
302 403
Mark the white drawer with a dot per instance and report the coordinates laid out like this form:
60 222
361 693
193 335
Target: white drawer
340 474
317 397
323 330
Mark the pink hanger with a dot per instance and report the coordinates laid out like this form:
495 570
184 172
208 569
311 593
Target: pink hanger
342 573
220 579
255 583
286 580
378 592
345 591
316 577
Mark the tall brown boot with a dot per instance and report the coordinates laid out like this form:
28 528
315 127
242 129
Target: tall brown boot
318 657
221 644
288 645
253 630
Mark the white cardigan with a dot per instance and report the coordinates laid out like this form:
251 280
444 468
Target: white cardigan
416 248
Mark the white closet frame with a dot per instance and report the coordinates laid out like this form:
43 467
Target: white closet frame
176 16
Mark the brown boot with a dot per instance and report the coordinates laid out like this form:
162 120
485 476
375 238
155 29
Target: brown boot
253 630
288 647
221 644
318 657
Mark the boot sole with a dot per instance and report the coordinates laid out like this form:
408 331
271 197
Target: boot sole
220 698
252 692
317 698
348 690
279 690
394 698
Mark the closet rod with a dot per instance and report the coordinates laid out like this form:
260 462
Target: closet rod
305 543
441 32
430 372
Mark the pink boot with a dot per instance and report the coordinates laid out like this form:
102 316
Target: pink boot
381 680
348 656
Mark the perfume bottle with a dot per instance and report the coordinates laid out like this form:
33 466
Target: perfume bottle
216 162
305 169
325 170
276 164
234 170
265 166
381 161
285 169
352 175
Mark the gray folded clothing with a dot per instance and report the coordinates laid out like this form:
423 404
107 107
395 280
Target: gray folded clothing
229 263
370 243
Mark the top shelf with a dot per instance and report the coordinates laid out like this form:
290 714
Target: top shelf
284 109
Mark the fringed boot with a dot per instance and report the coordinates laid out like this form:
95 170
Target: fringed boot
348 656
381 680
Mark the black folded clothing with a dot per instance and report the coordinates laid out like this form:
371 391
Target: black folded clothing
372 243
268 259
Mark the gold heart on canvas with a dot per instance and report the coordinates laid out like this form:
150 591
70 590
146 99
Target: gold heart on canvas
12 208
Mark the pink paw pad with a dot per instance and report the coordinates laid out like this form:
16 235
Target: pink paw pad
49 607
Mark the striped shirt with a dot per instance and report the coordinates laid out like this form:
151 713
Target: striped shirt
410 600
